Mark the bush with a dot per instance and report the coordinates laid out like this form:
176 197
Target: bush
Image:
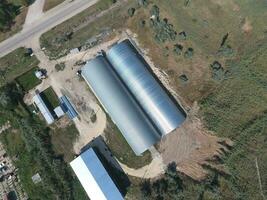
154 11
218 72
189 53
143 2
131 12
182 35
142 23
177 49
183 78
163 30
60 67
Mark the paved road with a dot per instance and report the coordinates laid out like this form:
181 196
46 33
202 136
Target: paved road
49 20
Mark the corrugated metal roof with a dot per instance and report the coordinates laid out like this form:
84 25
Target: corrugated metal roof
94 178
120 105
135 74
43 109
68 107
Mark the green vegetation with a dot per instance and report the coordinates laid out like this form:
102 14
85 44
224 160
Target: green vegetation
62 140
28 143
169 187
51 4
15 64
116 142
76 31
50 98
237 110
164 31
8 12
28 80
12 16
234 105
60 66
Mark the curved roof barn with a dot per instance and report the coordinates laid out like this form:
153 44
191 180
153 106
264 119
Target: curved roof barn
120 105
134 72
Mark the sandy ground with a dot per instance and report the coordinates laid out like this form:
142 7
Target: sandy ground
35 12
68 83
191 146
154 169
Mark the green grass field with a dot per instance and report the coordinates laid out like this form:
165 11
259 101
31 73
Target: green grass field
63 139
28 80
50 98
116 142
237 110
15 64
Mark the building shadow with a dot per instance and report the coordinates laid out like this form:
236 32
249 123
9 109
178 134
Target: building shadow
109 162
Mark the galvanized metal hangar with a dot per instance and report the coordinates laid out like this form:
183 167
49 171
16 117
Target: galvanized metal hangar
132 97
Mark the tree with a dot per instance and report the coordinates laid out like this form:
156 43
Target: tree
8 13
10 95
146 189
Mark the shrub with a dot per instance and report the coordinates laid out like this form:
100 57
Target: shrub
183 78
177 49
142 23
154 11
131 12
143 2
60 67
182 35
218 72
189 53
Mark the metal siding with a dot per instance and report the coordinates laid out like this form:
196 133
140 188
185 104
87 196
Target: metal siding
43 109
94 177
71 112
133 70
120 105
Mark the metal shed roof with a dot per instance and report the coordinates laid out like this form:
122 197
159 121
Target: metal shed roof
94 178
68 107
59 112
120 105
134 72
43 109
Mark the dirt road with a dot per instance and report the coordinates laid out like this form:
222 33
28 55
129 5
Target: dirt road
47 21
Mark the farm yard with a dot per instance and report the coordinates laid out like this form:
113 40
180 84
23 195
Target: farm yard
209 55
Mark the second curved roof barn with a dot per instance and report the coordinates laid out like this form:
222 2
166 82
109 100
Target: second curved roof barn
133 70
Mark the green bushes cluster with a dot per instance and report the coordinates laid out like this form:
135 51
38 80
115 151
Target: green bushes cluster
164 31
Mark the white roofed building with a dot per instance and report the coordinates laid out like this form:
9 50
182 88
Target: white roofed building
94 178
38 101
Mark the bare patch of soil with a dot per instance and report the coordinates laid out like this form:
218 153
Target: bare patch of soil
247 27
191 147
